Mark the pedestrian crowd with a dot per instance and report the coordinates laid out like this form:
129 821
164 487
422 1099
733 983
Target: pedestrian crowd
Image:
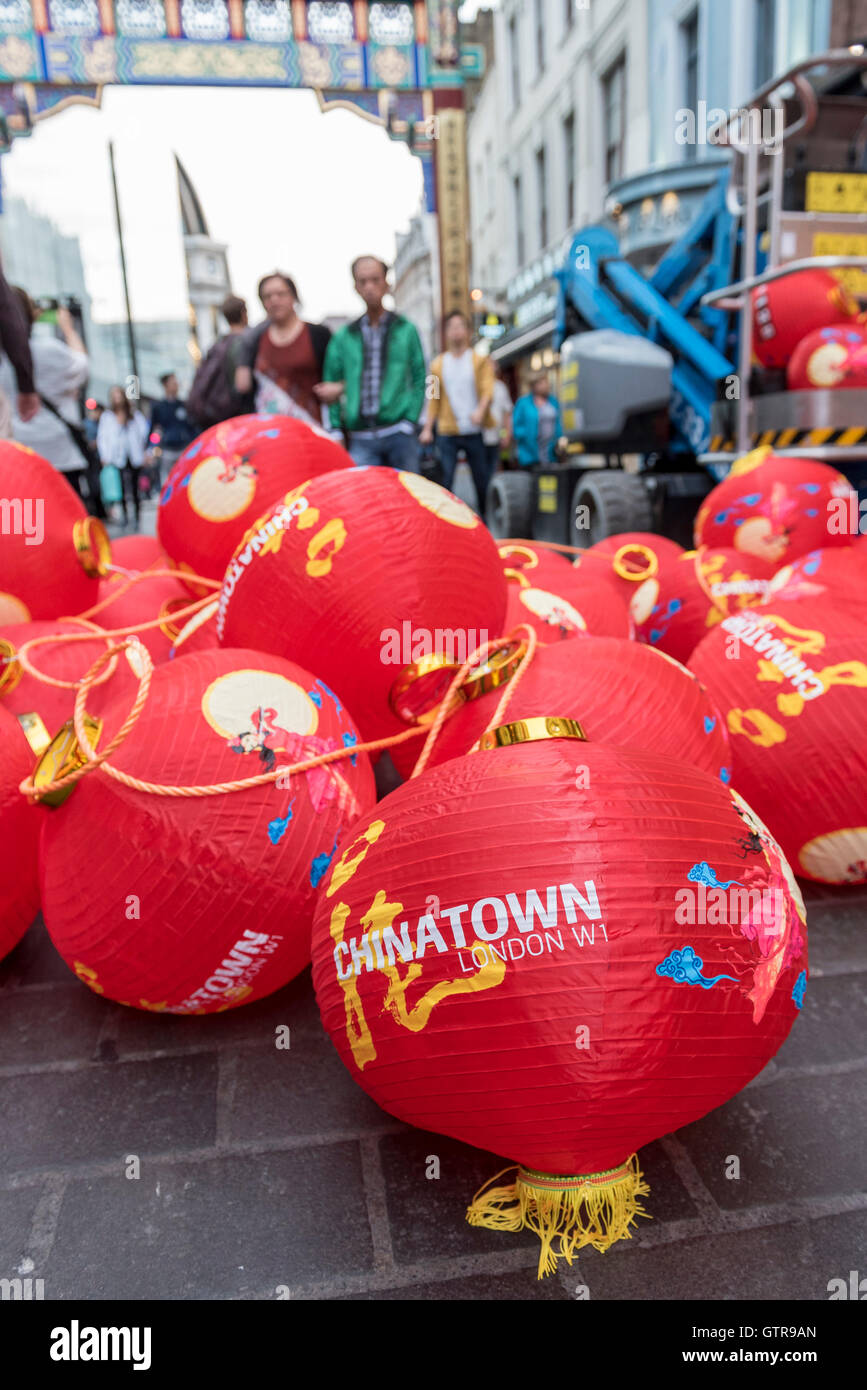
367 383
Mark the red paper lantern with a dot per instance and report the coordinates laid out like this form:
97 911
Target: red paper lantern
155 597
19 834
197 904
635 556
365 575
838 576
785 311
560 600
516 949
621 693
775 508
52 551
691 594
229 476
21 693
790 680
134 553
830 358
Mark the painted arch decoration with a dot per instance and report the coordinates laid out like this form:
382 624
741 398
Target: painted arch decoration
335 45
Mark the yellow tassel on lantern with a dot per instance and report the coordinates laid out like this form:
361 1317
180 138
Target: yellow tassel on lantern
588 1209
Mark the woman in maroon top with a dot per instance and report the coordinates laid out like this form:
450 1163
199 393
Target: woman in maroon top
284 349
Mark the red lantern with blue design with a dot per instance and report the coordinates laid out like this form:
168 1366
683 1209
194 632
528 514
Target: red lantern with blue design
790 679
229 476
836 575
688 596
775 509
205 901
830 359
516 949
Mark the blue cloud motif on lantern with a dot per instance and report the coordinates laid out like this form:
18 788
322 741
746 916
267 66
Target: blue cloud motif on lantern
703 873
798 989
684 967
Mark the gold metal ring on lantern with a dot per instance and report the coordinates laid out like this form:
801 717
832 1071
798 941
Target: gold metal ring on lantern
532 731
168 628
635 576
410 676
529 555
92 546
35 732
62 756
10 669
496 670
519 577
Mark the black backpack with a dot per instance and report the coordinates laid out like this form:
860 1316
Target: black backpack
212 396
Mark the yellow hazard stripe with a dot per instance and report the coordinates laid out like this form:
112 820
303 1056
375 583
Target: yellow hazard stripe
852 436
784 439
787 437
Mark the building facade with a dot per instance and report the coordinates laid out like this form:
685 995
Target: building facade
417 278
577 122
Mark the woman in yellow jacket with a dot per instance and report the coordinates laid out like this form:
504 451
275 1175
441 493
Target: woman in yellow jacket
459 404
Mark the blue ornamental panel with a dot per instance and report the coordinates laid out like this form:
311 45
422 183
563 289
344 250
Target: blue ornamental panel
334 44
206 20
330 21
268 21
140 19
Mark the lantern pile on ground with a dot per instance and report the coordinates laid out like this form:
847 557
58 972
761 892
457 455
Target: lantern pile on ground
533 901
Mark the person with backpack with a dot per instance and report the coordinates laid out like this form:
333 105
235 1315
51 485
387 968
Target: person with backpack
213 397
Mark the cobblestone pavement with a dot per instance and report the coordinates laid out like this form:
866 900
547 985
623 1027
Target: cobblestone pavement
265 1169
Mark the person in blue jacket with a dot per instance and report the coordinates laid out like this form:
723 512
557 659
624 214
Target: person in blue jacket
536 423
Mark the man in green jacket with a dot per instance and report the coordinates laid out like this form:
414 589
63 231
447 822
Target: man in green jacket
374 377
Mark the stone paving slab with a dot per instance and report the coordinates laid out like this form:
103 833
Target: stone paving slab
222 1228
794 1261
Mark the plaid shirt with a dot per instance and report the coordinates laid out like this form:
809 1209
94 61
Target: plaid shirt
371 372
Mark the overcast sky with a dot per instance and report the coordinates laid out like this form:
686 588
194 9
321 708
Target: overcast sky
283 184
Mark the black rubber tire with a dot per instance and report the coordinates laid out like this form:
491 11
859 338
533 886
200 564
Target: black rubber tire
509 505
618 502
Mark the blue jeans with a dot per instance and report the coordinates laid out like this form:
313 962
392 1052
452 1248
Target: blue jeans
474 447
396 450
